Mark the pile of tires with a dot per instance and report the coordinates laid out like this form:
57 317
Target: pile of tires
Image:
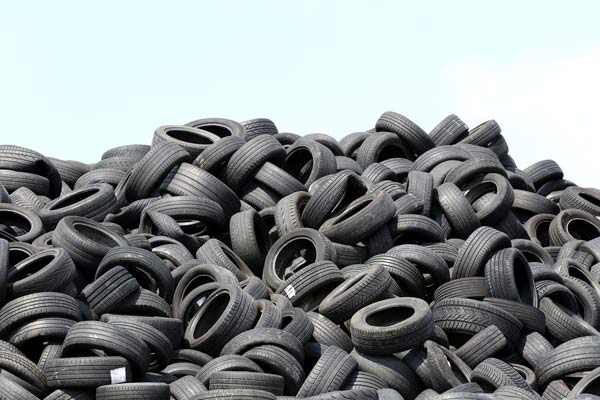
231 261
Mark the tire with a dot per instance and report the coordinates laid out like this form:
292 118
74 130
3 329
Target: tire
484 344
45 271
275 360
457 209
258 197
189 355
392 370
142 391
376 330
534 347
450 130
477 249
35 306
426 260
562 323
437 155
186 388
144 302
483 134
215 157
198 282
255 287
150 171
296 322
304 153
74 234
468 170
329 373
235 394
25 198
447 370
111 339
326 332
25 160
466 317
409 204
250 239
107 292
265 336
10 390
533 252
355 293
335 194
410 228
159 344
259 126
227 312
247 380
420 185
493 211
282 253
13 180
188 180
171 327
527 205
404 273
576 355
250 157
365 216
277 180
40 331
543 171
493 374
379 146
192 140
400 166
468 288
556 390
122 163
376 173
226 363
587 297
307 287
530 317
217 253
24 369
407 130
364 380
221 127
69 394
588 227
70 171
346 163
351 142
29 223
325 140
288 212
507 276
141 264
585 199
51 352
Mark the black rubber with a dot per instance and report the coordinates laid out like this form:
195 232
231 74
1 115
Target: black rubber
391 326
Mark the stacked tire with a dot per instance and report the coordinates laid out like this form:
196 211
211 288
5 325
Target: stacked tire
229 260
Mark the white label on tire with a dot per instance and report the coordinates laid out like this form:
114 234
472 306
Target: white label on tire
290 291
118 375
201 301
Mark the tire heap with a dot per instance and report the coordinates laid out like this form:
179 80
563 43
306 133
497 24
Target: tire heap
231 261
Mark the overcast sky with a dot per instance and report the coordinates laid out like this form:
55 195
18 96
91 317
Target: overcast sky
77 78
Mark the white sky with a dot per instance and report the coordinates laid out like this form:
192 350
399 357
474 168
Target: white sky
77 78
